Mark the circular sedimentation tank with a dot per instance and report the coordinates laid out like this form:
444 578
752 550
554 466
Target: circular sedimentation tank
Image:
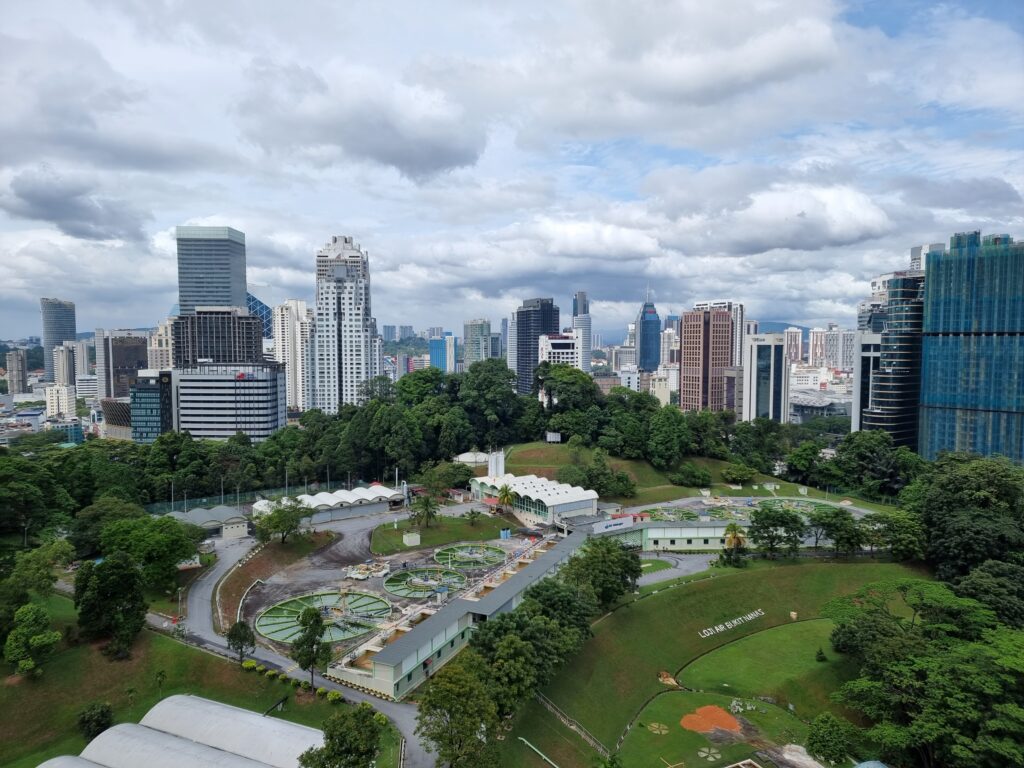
346 615
423 582
469 556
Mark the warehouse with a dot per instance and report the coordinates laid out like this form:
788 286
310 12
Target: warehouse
537 500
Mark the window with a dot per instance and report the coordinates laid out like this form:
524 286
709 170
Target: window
655 542
705 541
671 542
689 541
721 541
408 678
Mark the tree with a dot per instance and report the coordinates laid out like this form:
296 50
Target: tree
691 476
34 570
283 520
90 521
1000 586
157 544
773 528
512 674
473 517
901 532
506 498
425 509
95 719
571 605
32 640
737 473
241 640
458 719
829 738
802 462
351 740
606 567
110 602
669 437
310 650
735 546
161 678
839 526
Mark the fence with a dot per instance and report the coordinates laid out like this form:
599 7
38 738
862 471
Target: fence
245 497
568 722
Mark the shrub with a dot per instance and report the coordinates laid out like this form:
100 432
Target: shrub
691 476
737 473
305 685
95 719
261 668
271 673
321 692
820 656
249 665
296 683
335 697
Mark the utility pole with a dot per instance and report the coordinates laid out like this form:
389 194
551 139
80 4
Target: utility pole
222 490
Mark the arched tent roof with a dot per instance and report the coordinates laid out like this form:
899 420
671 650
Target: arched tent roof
541 489
343 498
213 517
69 761
132 746
271 741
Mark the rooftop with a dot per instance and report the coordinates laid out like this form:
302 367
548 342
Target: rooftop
539 488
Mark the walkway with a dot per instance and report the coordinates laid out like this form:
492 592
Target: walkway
682 565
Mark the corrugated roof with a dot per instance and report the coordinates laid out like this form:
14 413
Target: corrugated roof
540 488
396 652
134 746
69 761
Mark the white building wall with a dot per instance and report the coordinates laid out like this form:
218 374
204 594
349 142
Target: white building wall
563 349
581 324
293 338
160 352
216 401
60 400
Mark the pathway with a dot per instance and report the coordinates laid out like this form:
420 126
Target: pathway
682 565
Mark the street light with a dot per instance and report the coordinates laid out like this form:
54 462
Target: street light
222 490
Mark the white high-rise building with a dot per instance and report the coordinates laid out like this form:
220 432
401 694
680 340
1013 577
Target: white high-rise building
766 377
816 347
160 352
794 344
561 348
64 364
735 309
293 336
581 322
347 347
60 401
82 358
513 344
669 348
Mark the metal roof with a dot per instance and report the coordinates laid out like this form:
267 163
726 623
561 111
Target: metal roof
133 746
69 761
209 517
395 653
539 488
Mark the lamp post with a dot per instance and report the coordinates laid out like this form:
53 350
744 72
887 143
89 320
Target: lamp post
222 490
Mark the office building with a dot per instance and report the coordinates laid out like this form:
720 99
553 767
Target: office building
82 362
261 311
60 401
867 358
293 348
405 332
670 347
58 326
476 341
216 335
630 335
434 332
17 372
750 328
671 323
390 333
706 338
495 345
70 426
621 358
444 352
765 378
347 347
86 386
735 310
64 364
794 344
534 318
153 402
160 352
582 323
847 349
211 268
120 355
972 396
648 338
561 349
816 347
215 402
504 335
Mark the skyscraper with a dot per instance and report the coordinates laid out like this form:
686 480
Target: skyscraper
816 347
160 352
735 310
444 351
293 339
581 322
867 357
648 338
405 332
390 333
535 317
347 347
17 372
794 344
64 364
765 377
671 322
211 268
265 314
82 358
476 341
972 395
120 355
58 327
216 335
705 352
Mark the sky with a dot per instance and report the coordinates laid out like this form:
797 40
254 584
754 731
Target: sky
774 152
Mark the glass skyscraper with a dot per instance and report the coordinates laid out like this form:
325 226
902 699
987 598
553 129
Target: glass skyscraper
211 268
972 380
534 318
648 338
58 327
263 312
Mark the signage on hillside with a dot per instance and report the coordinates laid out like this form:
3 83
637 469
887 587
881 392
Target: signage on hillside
719 628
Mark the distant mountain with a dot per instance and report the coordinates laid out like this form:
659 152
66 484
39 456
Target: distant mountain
778 326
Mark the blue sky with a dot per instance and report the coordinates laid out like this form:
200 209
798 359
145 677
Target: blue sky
778 154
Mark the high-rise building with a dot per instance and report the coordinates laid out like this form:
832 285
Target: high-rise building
648 338
794 344
816 347
435 332
405 332
60 401
82 366
867 357
64 364
561 349
581 322
216 335
160 352
58 327
504 335
511 348
670 347
706 338
390 333
535 317
211 268
671 323
217 401
972 395
476 341
86 386
495 345
847 349
735 310
765 377
444 352
265 314
17 372
750 328
153 402
293 347
120 355
347 347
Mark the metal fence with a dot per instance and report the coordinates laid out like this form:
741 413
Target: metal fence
244 497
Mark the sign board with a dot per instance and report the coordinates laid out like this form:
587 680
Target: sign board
617 524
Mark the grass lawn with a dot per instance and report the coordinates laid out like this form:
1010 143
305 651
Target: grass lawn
167 602
38 717
653 566
778 662
560 744
659 735
268 561
620 664
387 540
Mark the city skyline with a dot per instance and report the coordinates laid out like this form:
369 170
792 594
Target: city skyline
734 163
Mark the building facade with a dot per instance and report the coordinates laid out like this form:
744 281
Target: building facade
389 333
293 348
735 310
60 401
405 332
561 349
17 372
794 344
476 341
120 355
706 338
153 405
347 348
216 335
58 326
64 364
534 318
211 268
581 322
444 352
265 314
648 338
215 402
86 386
765 378
160 352
972 394
816 347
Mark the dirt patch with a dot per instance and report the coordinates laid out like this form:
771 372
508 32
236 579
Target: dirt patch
14 680
710 718
666 679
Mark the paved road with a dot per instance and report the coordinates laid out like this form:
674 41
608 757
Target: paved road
682 565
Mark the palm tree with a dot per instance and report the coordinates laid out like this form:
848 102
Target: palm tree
161 678
735 536
425 508
472 516
506 497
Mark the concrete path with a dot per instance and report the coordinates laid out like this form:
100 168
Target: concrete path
682 565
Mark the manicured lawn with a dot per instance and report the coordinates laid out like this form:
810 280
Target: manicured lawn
387 539
620 664
167 602
778 662
37 717
653 566
659 735
558 743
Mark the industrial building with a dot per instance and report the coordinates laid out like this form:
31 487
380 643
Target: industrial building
537 500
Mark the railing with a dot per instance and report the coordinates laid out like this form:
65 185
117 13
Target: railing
573 725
